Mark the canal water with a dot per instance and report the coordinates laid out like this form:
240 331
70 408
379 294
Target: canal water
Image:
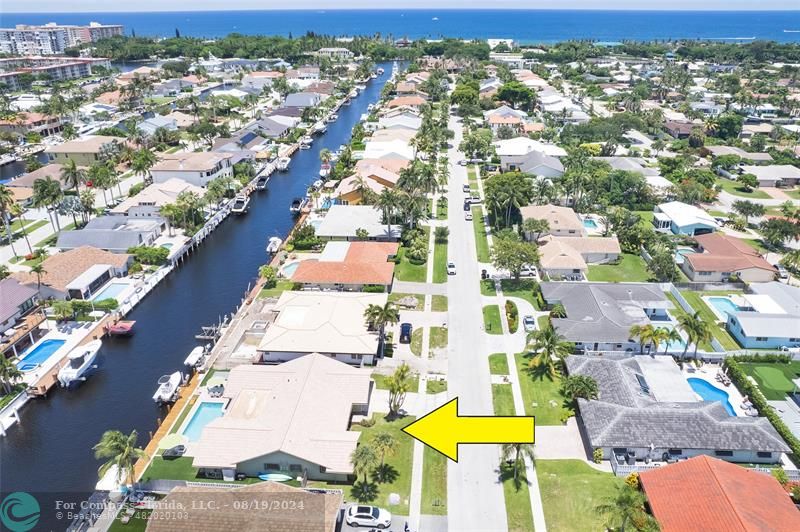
49 454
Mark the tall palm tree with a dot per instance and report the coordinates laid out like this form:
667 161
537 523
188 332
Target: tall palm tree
121 451
47 194
516 453
387 202
696 329
364 459
549 348
87 199
39 270
325 155
6 204
644 333
9 374
378 316
73 177
142 162
670 335
628 505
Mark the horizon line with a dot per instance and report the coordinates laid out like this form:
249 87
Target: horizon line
498 8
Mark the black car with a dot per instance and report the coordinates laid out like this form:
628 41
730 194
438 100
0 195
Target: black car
174 452
467 205
405 333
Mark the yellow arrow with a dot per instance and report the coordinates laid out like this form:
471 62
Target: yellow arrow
443 429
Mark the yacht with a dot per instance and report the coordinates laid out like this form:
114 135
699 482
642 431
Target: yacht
298 204
120 328
195 357
261 184
316 185
240 204
319 128
80 363
167 390
305 142
283 164
380 71
274 245
332 118
324 170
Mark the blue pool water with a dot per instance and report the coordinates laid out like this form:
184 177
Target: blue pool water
289 269
111 291
724 305
680 253
167 245
39 354
709 392
205 414
589 223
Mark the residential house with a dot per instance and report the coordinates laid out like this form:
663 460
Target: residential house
406 121
768 316
599 316
562 221
22 187
413 102
343 221
707 108
174 87
388 135
281 420
775 175
148 202
720 257
149 126
513 152
85 150
496 122
335 53
197 168
303 74
260 80
77 273
718 151
301 100
683 219
393 149
270 128
322 322
113 233
182 120
709 494
569 256
679 130
349 266
646 411
541 165
227 514
373 176
39 123
16 300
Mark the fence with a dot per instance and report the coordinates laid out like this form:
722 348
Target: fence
622 469
792 474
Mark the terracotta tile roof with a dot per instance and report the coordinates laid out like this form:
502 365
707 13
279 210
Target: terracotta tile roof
63 268
504 119
412 101
710 495
558 217
364 263
725 253
392 165
28 118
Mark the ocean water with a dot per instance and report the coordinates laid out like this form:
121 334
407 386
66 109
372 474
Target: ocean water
522 25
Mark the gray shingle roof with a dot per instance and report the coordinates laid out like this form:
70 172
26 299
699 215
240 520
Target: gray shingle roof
12 296
110 233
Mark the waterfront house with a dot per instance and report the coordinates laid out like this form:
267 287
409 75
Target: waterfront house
342 222
113 233
599 316
349 266
388 135
148 202
709 494
85 150
647 411
39 123
405 120
321 509
174 87
392 149
683 219
412 102
149 126
775 175
331 323
759 157
562 221
197 168
76 274
269 128
303 74
16 299
376 177
301 100
720 257
260 80
335 53
564 256
767 317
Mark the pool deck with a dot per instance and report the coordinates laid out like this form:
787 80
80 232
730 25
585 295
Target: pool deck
707 373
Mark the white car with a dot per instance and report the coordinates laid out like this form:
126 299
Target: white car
791 350
527 271
528 323
468 215
451 268
361 515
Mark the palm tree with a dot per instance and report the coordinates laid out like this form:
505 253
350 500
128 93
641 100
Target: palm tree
387 201
377 317
385 445
696 329
87 199
9 374
6 202
644 333
47 193
398 384
325 155
516 453
659 335
671 335
142 162
628 505
364 459
39 270
121 451
550 348
579 386
73 177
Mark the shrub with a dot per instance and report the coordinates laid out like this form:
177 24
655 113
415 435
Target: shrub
149 255
367 422
781 476
135 189
512 315
374 289
270 276
597 456
136 267
632 480
107 304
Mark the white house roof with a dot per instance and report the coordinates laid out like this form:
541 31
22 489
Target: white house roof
523 145
683 214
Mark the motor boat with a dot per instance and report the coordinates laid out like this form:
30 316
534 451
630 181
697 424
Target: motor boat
274 245
325 170
240 204
298 204
195 356
332 118
80 363
316 185
371 107
261 183
120 328
319 128
283 164
167 390
380 71
305 142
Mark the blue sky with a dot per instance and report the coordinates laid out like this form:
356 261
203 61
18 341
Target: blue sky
27 6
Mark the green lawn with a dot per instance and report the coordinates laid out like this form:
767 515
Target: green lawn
51 240
522 289
543 322
488 288
137 523
394 297
498 364
571 490
481 242
438 339
434 482
277 290
15 391
180 469
646 218
677 312
434 386
182 416
380 381
30 225
405 271
539 391
439 303
491 319
774 380
793 193
503 400
732 187
440 262
472 177
758 245
722 336
518 502
630 268
441 210
416 341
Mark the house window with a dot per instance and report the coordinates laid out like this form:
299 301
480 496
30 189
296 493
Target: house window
761 338
764 454
295 468
723 453
272 467
794 339
355 357
322 469
675 452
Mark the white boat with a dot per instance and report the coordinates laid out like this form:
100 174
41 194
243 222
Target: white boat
325 170
371 107
261 184
80 362
361 88
274 245
240 204
298 204
316 185
283 164
168 388
318 128
195 356
380 71
332 118
305 142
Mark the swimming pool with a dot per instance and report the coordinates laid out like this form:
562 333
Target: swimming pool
167 245
673 345
709 392
589 223
289 269
111 291
39 354
205 414
682 252
724 305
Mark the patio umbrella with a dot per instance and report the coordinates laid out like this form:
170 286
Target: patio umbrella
171 440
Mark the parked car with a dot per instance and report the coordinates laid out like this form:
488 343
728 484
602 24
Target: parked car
782 273
174 452
490 167
467 205
451 268
527 271
362 515
465 188
405 333
792 350
474 199
528 323
468 216
462 162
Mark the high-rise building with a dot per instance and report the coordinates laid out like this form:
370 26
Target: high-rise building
52 38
